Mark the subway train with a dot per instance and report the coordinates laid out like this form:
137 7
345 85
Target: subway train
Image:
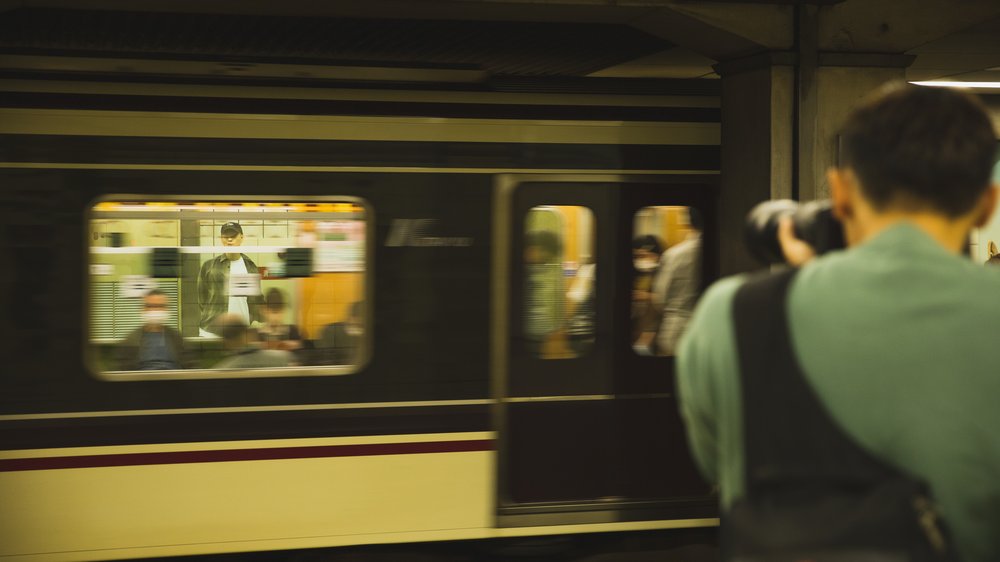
458 269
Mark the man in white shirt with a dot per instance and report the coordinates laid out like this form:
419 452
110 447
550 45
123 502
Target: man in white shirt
215 280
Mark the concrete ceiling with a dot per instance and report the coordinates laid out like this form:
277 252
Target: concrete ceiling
571 38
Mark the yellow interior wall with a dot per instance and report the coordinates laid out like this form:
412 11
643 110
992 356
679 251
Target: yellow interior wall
325 298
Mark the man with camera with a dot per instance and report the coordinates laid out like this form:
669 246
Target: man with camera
893 335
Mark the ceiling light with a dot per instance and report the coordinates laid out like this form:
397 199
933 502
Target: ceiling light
958 84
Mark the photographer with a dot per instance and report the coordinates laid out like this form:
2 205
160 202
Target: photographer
892 334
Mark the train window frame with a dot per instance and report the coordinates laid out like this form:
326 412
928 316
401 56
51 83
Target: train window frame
365 350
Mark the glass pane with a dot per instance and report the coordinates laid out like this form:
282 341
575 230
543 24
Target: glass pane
666 253
224 286
559 281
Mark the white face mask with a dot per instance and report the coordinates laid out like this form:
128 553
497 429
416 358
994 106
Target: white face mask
645 264
354 330
155 317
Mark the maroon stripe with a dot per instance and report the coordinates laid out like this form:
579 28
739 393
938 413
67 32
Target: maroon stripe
186 457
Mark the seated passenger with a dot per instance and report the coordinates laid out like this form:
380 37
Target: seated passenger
154 345
340 342
243 349
276 333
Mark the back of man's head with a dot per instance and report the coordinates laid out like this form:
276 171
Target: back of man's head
233 329
920 148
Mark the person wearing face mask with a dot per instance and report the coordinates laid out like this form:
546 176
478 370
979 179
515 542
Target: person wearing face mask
154 346
646 250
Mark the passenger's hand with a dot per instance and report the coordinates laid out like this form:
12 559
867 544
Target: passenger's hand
796 252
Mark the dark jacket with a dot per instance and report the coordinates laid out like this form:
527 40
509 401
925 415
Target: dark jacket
129 351
336 346
213 290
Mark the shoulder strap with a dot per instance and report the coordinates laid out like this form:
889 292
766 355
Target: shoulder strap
788 434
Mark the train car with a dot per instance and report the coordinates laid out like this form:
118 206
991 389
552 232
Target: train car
457 266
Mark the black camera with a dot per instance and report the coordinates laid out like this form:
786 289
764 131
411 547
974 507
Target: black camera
814 223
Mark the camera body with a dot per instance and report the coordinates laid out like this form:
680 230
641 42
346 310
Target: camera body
813 221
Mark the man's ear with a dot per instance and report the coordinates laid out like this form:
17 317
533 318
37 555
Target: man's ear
987 204
842 185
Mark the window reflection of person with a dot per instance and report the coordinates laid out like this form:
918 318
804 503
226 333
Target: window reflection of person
154 345
544 293
676 286
213 284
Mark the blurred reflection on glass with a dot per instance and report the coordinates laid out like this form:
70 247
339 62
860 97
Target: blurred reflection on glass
299 267
559 281
661 314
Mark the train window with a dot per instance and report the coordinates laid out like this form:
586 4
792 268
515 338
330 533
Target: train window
199 288
666 253
559 281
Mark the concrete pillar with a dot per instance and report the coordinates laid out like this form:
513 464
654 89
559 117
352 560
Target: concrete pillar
842 81
779 123
757 134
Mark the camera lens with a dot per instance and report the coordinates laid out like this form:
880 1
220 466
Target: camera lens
813 221
760 232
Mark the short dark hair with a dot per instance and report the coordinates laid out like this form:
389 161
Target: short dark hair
232 328
154 292
920 147
647 242
274 299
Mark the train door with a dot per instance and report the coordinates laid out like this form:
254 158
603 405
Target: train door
588 426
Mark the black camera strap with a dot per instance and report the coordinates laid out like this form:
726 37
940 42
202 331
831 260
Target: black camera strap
811 491
785 425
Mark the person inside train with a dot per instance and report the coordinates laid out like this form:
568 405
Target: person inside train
646 252
581 297
892 334
214 282
340 342
677 285
544 296
276 333
155 345
243 348
993 255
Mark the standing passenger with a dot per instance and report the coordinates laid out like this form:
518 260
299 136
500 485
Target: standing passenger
213 283
893 334
677 285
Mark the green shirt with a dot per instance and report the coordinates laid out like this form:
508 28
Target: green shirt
901 341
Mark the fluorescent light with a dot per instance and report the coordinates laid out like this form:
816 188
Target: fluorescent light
958 84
